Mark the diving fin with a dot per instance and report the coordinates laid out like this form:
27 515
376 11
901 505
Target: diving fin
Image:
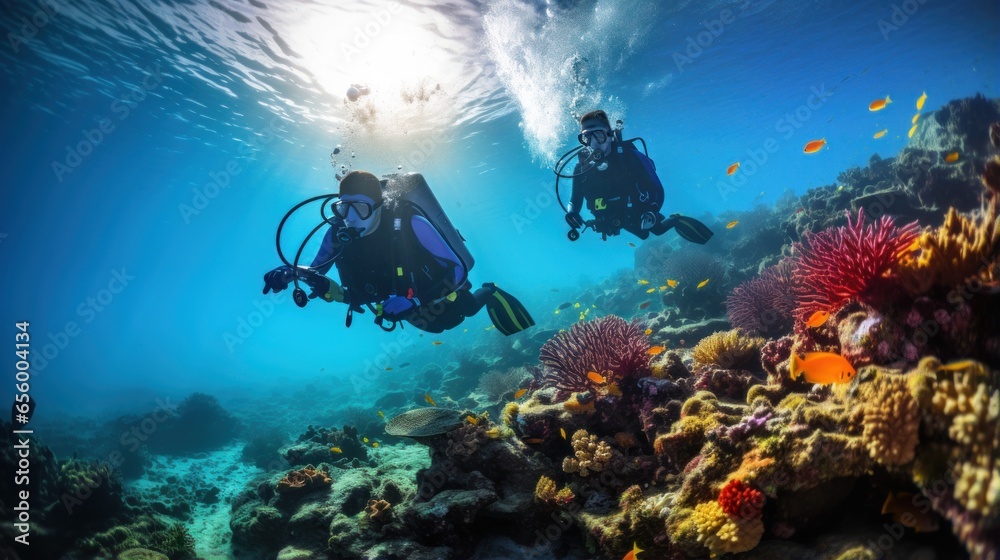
507 314
691 229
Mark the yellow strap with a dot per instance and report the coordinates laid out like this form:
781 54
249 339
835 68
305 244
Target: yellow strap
452 296
399 271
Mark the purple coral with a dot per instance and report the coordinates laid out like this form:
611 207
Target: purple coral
764 305
745 427
609 346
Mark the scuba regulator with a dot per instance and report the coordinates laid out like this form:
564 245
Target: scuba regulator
344 236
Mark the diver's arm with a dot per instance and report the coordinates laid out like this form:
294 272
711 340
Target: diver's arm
326 251
433 242
576 196
648 181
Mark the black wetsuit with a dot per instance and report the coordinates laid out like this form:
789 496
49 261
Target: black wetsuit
621 193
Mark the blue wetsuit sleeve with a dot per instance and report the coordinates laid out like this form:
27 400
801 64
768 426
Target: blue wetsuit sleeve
648 181
326 251
576 196
431 240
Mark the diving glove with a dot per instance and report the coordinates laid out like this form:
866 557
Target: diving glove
574 220
278 279
323 287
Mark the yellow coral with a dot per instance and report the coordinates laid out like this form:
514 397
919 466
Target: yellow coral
510 412
723 534
891 420
727 350
952 253
590 454
545 490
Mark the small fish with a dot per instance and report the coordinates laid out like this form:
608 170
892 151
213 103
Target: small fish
630 244
703 283
912 512
562 432
656 350
336 450
921 100
564 305
645 304
672 283
879 104
821 368
913 129
915 119
643 282
958 366
489 328
634 553
881 133
520 393
437 343
648 332
364 439
472 420
493 433
814 146
556 312
732 168
732 224
533 440
388 369
404 364
576 305
381 414
817 319
596 377
663 288
430 401
951 158
651 290
375 444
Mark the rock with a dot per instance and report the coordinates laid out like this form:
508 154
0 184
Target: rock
141 554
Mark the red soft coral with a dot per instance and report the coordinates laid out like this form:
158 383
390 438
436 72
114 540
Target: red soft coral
739 500
610 346
844 263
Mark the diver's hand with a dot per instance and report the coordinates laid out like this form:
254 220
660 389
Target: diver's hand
278 279
648 220
397 307
323 287
574 220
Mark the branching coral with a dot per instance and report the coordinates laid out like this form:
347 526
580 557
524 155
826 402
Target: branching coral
589 454
609 346
891 420
844 263
306 479
763 305
739 500
952 253
727 350
547 494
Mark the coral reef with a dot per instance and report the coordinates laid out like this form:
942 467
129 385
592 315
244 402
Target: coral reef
610 346
764 305
378 511
304 480
589 454
424 422
727 350
495 385
200 424
891 420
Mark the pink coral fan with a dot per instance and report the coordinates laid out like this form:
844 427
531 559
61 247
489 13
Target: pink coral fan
844 263
610 346
739 500
764 305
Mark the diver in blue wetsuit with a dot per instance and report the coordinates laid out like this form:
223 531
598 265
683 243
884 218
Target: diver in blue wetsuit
620 187
393 259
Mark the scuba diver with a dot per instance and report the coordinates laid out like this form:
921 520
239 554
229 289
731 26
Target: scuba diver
619 185
396 253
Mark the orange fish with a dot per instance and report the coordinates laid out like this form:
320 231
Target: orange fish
596 377
817 319
472 420
655 350
814 146
732 224
634 553
672 283
533 440
703 283
821 368
644 304
913 512
951 158
520 393
879 104
430 401
881 133
732 168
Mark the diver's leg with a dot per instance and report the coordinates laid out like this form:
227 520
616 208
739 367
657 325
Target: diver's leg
663 225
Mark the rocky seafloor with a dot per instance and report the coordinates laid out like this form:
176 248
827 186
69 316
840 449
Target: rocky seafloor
677 429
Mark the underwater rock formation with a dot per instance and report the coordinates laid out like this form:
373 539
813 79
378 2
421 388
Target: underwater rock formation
200 424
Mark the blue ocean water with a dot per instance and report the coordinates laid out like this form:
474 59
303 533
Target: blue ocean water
151 148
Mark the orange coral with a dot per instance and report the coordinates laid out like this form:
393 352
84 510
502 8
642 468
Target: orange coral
304 479
379 511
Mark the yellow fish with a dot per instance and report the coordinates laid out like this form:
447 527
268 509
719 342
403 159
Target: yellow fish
951 158
562 432
381 414
388 369
643 282
493 433
920 101
648 332
817 319
437 343
520 393
557 311
703 283
576 305
596 377
655 350
430 401
663 288
912 130
822 368
375 444
336 450
672 283
958 366
881 133
364 439
472 420
732 224
915 118
651 290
